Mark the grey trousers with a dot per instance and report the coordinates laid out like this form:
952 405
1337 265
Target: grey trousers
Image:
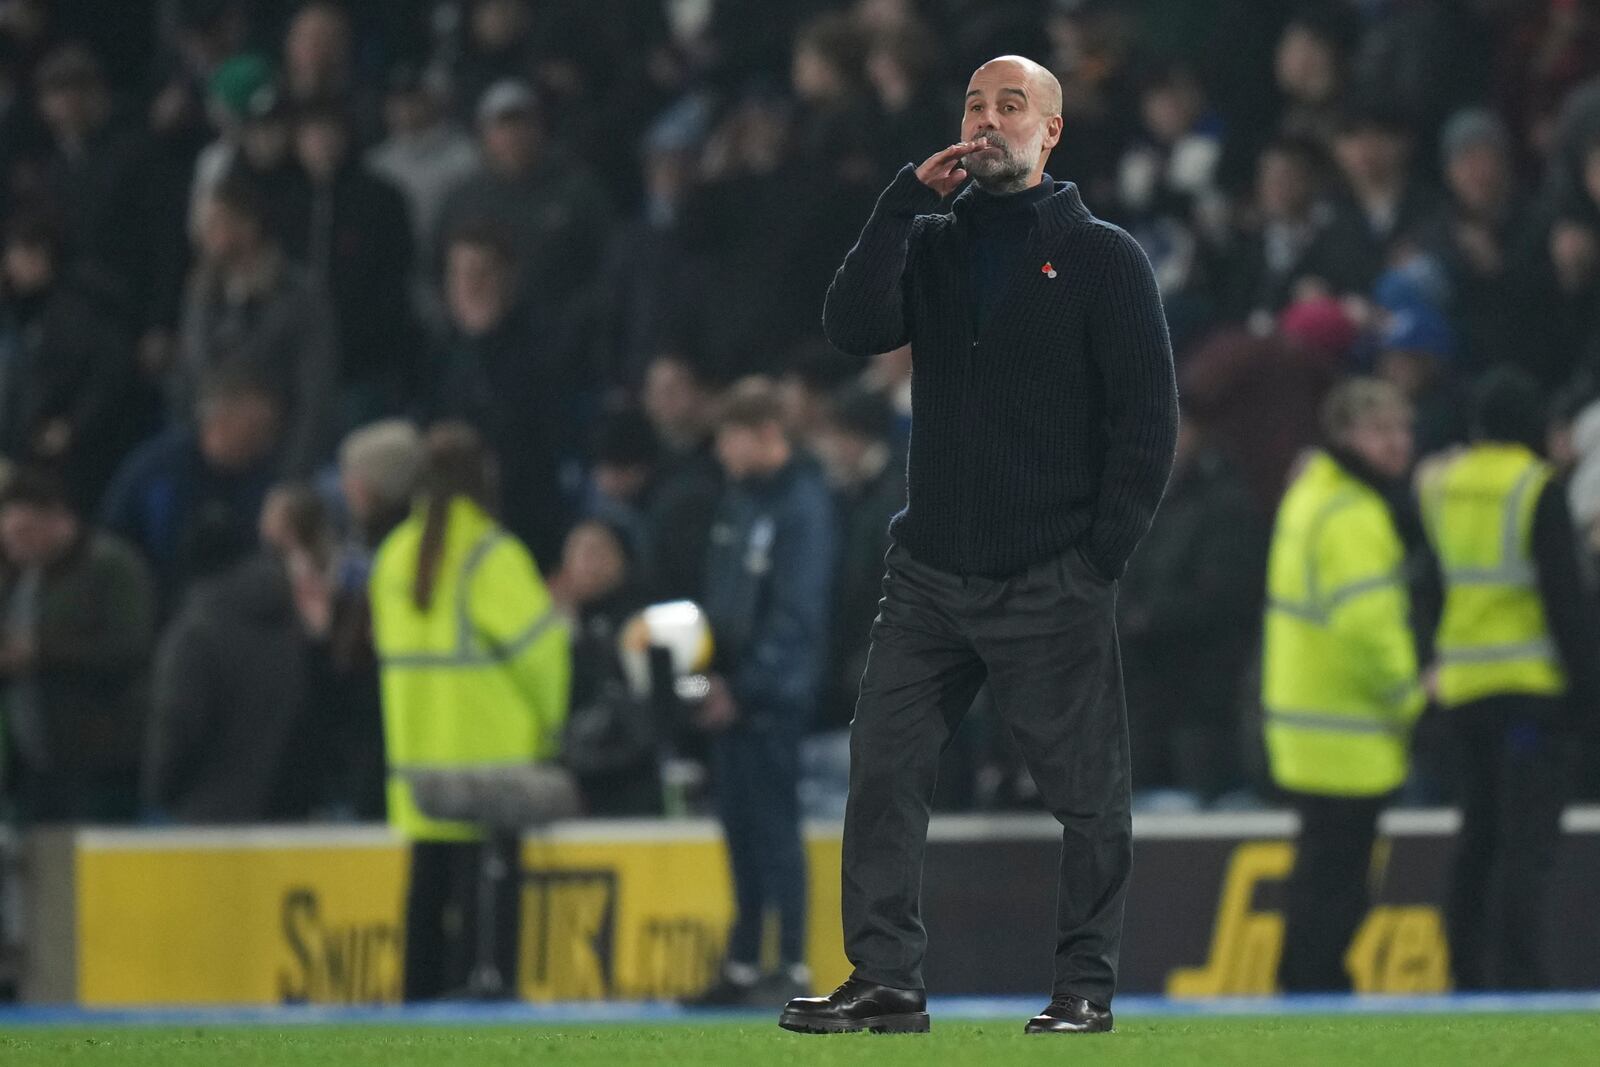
1045 640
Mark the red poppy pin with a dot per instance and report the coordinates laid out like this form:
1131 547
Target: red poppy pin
1048 271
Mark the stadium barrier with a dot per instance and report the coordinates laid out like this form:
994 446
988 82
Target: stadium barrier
638 910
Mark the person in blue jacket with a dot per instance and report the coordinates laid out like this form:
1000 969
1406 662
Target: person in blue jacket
768 591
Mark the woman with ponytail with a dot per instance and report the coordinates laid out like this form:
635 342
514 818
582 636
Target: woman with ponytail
475 666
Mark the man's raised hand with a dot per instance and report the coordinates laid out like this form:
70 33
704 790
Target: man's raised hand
942 172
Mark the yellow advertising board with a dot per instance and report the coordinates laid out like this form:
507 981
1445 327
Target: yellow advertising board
308 916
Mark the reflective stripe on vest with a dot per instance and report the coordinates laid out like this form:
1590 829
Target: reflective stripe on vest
469 651
1339 724
1513 569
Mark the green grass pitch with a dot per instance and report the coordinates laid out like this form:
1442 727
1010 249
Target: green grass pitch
1302 1041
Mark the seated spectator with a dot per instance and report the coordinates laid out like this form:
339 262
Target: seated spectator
493 369
680 404
534 193
70 395
1188 615
1475 235
354 236
250 310
1558 280
868 478
231 736
78 630
426 153
181 494
903 65
612 739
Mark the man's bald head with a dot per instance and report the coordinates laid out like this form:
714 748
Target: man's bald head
1013 105
1041 86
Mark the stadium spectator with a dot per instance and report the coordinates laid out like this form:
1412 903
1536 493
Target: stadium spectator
613 740
237 691
679 402
93 171
542 199
252 311
1311 68
354 237
815 372
74 653
379 467
1187 614
70 393
319 66
235 87
425 155
1285 237
1384 200
903 64
853 439
1474 236
475 669
494 369
193 493
768 579
625 459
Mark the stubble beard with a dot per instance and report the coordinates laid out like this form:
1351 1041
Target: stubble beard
1007 173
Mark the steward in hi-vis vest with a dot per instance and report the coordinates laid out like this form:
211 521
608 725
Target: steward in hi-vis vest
474 666
1517 652
1340 681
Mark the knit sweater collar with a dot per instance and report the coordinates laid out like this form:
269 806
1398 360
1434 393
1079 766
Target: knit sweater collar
1057 203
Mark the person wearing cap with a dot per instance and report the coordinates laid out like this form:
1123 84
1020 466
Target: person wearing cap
1416 354
1475 233
1518 662
538 194
1340 687
229 94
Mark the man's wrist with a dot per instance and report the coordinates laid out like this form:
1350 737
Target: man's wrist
907 196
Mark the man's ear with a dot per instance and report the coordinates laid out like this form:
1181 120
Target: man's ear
1052 131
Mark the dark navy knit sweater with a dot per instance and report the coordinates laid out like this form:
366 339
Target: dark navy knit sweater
999 231
1052 426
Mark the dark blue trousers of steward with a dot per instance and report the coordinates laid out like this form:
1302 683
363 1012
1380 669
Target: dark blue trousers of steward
1045 640
756 763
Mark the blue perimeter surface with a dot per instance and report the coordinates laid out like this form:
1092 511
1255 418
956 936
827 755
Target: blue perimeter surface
587 1012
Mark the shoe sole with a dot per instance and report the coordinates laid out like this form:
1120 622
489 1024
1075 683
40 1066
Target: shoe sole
1031 1029
909 1023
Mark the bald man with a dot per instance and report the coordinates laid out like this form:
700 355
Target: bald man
1045 418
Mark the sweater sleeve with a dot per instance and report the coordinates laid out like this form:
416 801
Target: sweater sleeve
1129 344
1567 608
864 312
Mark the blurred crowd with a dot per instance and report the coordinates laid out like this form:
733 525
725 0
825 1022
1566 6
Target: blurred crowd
252 249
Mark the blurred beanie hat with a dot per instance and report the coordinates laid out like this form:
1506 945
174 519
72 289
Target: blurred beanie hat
238 80
1418 328
1320 326
1470 128
1421 279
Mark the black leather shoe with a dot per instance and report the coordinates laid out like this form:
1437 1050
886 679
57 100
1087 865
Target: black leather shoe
857 1006
1071 1015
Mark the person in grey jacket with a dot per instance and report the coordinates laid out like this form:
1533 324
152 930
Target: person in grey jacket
250 309
768 596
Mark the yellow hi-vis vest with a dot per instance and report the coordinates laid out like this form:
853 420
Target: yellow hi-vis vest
1493 636
1340 687
480 678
